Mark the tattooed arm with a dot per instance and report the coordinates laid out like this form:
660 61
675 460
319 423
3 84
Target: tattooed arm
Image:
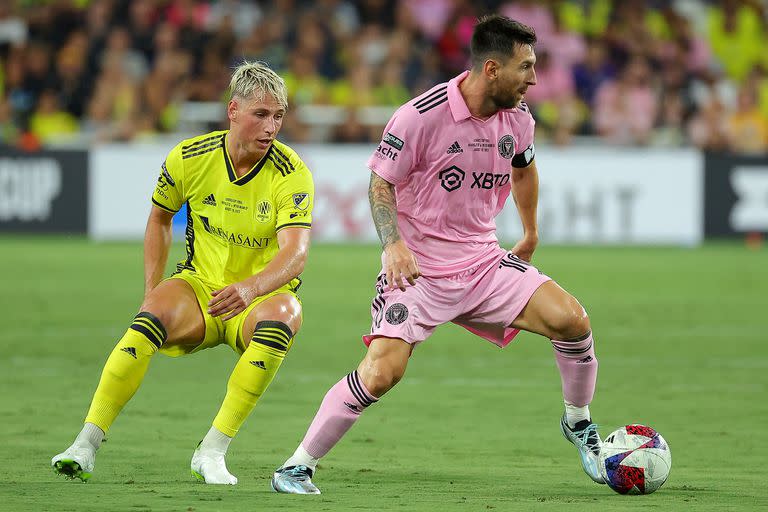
399 261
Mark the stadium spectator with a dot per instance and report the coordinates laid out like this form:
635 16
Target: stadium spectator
747 127
625 108
589 18
736 33
13 29
591 38
533 13
706 129
390 89
243 16
50 122
304 82
589 75
355 89
9 133
568 48
70 79
352 130
557 110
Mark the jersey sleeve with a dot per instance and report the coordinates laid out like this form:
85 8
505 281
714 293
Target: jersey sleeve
400 148
295 198
169 193
525 151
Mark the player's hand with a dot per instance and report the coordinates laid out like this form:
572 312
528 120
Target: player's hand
399 264
525 247
231 300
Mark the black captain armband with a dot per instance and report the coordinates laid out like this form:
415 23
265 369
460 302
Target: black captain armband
525 158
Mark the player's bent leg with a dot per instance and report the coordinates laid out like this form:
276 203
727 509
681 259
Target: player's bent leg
170 308
554 313
271 326
383 366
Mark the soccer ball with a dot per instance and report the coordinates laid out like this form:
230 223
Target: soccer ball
635 459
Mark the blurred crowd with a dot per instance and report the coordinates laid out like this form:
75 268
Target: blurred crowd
630 72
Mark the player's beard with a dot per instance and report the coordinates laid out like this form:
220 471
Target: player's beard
504 101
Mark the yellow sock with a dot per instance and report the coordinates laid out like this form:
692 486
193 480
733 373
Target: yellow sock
252 374
125 369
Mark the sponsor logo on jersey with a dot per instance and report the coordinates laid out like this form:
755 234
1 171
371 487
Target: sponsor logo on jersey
451 178
301 200
455 148
384 152
210 200
239 239
396 313
488 180
507 147
165 174
393 141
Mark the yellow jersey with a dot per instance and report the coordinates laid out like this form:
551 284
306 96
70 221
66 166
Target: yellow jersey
232 222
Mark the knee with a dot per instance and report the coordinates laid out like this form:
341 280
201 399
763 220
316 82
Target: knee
380 375
285 309
155 307
383 378
570 321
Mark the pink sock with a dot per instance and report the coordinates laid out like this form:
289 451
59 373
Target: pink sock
340 409
578 368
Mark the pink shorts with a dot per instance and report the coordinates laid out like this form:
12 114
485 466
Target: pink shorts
484 299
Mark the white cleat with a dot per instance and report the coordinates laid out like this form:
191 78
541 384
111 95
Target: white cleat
209 467
76 462
587 441
294 480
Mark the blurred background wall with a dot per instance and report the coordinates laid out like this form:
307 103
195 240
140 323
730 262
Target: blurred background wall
645 109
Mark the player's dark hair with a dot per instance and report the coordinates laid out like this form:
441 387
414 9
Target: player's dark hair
498 36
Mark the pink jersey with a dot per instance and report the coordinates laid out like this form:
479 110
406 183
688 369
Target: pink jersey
452 174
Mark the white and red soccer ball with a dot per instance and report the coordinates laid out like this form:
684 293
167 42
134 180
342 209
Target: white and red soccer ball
635 459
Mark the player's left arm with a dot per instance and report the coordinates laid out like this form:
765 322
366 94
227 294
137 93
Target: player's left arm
287 264
525 192
295 200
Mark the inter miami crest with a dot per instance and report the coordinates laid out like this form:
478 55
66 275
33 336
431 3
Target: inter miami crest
396 314
507 147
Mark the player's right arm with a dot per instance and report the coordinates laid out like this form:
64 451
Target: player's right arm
399 261
391 163
167 199
157 243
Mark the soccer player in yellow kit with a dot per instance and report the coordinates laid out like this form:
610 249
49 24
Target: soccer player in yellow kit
249 200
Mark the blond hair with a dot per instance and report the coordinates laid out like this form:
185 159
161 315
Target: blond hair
254 80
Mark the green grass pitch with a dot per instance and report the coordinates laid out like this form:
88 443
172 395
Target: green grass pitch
681 334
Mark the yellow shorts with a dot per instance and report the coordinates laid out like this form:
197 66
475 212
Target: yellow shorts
217 331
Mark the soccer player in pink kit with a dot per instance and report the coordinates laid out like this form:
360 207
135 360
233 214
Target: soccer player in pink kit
446 164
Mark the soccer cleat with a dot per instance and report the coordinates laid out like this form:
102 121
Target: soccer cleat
209 467
294 480
586 439
75 462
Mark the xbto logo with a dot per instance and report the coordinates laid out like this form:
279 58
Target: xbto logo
451 178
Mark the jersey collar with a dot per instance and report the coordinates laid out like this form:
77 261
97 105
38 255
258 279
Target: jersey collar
458 106
245 178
